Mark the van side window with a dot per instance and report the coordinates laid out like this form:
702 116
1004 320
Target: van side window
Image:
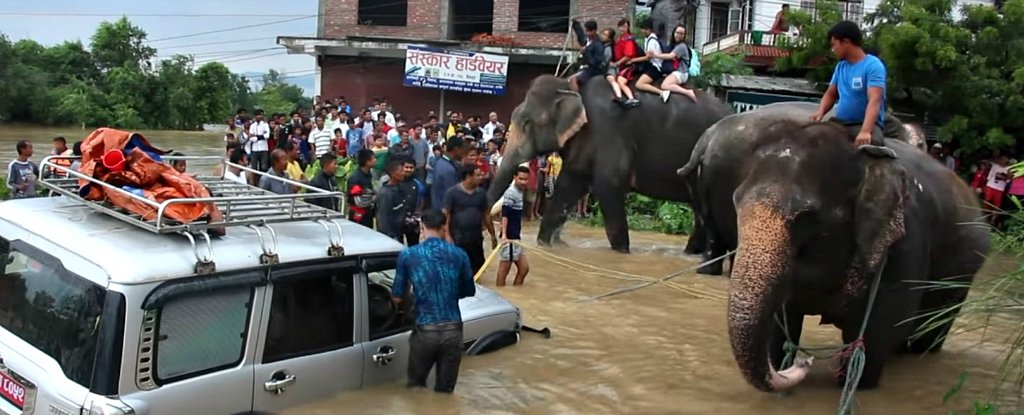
309 314
387 318
50 308
202 333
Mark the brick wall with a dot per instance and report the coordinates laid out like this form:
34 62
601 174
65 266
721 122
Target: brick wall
362 79
424 21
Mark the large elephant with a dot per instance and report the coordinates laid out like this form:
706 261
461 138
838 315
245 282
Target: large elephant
818 221
731 142
606 150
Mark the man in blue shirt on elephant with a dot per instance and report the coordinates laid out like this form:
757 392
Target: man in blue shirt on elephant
859 85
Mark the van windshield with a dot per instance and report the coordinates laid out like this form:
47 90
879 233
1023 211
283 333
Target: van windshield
50 308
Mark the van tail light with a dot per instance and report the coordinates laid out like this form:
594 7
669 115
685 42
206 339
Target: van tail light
99 405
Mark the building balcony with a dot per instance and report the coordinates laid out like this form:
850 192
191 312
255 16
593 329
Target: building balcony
760 48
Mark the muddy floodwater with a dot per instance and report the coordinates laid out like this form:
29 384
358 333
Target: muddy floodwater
657 350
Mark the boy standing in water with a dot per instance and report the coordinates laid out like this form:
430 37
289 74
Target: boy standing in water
22 173
511 225
859 85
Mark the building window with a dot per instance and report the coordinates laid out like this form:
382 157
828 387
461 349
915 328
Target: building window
471 17
735 18
720 19
383 12
850 10
550 16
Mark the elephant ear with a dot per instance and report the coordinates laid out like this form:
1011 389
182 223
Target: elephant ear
570 115
878 214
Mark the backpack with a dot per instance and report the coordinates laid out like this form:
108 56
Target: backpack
694 63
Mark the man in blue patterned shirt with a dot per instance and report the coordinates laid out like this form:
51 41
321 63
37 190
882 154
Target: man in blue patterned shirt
440 275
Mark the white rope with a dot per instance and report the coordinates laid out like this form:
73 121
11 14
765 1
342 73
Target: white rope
565 45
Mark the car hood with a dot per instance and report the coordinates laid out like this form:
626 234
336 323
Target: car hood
485 303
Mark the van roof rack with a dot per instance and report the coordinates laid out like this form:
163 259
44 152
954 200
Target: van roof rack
241 205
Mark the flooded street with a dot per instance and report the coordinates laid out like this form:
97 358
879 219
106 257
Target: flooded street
654 350
661 349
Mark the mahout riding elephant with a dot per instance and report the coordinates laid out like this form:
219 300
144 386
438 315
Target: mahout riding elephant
731 142
818 221
606 150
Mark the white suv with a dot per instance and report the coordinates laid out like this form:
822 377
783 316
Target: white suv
102 313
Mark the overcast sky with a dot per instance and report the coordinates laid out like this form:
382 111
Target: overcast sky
251 49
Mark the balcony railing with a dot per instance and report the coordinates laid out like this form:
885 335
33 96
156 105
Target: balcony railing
746 37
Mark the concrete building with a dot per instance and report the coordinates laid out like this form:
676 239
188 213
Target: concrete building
725 24
361 45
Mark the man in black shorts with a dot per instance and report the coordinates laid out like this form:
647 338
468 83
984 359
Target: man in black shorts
593 56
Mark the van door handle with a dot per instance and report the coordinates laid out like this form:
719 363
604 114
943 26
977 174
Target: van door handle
278 381
384 355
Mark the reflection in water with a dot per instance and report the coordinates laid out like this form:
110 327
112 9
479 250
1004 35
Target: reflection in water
655 350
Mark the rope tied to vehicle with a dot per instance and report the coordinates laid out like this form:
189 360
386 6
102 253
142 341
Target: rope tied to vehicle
854 352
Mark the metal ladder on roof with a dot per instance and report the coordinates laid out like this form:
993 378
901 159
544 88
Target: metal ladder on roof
241 205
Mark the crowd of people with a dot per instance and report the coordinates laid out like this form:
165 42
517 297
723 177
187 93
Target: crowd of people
620 60
401 170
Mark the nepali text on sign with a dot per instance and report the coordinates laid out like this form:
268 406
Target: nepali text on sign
455 70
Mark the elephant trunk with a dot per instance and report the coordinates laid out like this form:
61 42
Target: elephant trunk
762 263
513 157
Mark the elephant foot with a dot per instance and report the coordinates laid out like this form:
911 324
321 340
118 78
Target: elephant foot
693 250
621 249
546 242
714 268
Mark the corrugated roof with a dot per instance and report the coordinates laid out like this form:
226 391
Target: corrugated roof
769 83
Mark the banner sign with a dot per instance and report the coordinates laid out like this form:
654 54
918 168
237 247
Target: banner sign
742 101
455 70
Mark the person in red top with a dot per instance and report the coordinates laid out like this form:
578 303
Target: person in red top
625 49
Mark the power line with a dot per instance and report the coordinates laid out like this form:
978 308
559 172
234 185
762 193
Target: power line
232 28
217 43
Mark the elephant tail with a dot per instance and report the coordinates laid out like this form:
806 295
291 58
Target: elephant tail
697 156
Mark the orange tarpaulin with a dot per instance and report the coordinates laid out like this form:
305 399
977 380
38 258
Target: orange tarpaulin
158 181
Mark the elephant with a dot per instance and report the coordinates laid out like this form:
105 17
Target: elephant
733 141
821 225
605 149
667 14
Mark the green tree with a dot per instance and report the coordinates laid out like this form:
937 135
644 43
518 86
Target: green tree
968 75
120 43
113 84
214 91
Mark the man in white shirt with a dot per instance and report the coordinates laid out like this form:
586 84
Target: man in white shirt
389 118
259 132
320 138
233 173
491 126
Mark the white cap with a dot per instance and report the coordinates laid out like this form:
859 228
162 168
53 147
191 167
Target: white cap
937 145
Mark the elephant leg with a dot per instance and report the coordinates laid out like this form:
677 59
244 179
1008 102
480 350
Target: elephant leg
777 340
612 199
569 188
884 334
696 243
714 249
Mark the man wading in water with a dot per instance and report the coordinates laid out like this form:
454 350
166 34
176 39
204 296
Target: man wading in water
440 275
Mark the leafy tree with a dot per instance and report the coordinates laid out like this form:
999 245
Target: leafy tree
967 74
113 84
120 43
716 66
811 51
213 91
